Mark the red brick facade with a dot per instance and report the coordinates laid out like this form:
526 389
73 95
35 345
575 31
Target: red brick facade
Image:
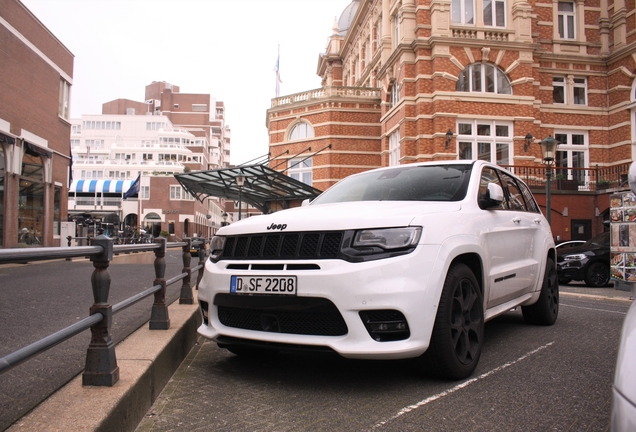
32 63
420 49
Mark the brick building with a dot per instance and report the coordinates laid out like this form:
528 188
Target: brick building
406 81
37 75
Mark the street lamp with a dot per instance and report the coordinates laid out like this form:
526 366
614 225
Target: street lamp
548 148
529 139
449 137
224 216
240 182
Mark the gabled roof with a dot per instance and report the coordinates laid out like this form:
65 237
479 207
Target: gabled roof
263 186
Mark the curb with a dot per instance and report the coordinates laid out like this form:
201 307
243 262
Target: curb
147 359
595 296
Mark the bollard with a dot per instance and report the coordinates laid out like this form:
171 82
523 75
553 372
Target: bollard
203 252
159 319
186 289
101 363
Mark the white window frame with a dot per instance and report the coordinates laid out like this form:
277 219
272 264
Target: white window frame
64 99
566 21
144 192
493 13
471 72
301 169
476 143
178 193
579 83
560 82
463 12
569 149
394 95
300 130
394 148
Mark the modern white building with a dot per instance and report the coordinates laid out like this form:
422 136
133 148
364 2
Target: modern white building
111 151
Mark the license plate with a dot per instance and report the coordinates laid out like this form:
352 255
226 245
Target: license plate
275 285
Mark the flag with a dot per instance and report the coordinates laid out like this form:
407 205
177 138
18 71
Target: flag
277 71
133 189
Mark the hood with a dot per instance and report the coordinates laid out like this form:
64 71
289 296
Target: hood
341 216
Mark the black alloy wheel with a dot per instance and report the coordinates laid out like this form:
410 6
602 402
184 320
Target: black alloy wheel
546 310
458 332
598 275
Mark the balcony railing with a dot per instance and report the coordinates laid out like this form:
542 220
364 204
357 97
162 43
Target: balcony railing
574 179
327 92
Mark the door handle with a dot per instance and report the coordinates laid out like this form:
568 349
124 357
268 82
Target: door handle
537 221
516 219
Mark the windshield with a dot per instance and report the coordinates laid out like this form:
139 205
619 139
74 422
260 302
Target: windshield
404 183
602 239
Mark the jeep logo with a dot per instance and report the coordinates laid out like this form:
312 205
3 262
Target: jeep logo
277 227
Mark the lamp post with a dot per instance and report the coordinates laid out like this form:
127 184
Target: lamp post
548 148
240 182
224 216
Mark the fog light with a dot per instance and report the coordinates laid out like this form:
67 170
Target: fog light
385 325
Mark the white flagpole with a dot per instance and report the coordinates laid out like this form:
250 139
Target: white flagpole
139 199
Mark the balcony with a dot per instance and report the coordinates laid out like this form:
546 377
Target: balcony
598 179
328 92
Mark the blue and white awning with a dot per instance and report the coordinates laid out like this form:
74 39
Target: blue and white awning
101 186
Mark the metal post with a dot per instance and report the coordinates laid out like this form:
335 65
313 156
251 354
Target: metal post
159 319
186 289
101 363
548 177
240 193
203 251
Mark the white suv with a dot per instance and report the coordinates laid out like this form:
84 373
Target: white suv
398 262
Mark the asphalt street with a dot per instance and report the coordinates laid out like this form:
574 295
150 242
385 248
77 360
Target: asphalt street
530 378
41 298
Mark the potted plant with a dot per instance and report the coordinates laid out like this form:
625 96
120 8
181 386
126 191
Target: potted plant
602 184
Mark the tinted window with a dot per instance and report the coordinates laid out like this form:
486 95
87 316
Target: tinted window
488 175
405 183
514 195
530 202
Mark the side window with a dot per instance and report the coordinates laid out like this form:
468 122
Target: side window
488 175
530 202
515 197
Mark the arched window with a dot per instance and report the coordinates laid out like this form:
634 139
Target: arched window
301 130
486 78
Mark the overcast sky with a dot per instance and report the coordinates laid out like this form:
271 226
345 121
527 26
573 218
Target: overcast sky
226 48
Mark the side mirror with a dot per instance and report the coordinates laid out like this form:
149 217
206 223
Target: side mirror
305 202
494 197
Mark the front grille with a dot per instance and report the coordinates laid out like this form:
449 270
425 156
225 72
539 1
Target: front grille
312 245
279 314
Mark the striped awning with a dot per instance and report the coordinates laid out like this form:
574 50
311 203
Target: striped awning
101 186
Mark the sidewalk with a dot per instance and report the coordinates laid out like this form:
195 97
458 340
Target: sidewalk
582 290
147 359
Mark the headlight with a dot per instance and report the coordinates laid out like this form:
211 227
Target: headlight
216 248
388 238
577 257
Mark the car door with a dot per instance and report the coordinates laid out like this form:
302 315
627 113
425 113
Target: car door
510 234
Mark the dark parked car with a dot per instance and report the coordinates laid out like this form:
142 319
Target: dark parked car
587 262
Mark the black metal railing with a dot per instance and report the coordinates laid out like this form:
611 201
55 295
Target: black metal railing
574 179
101 363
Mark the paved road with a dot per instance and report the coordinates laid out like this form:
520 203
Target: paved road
529 379
39 299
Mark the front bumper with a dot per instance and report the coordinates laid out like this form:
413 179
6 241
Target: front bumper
623 413
571 269
409 285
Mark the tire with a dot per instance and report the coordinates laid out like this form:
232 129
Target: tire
598 275
458 331
546 309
